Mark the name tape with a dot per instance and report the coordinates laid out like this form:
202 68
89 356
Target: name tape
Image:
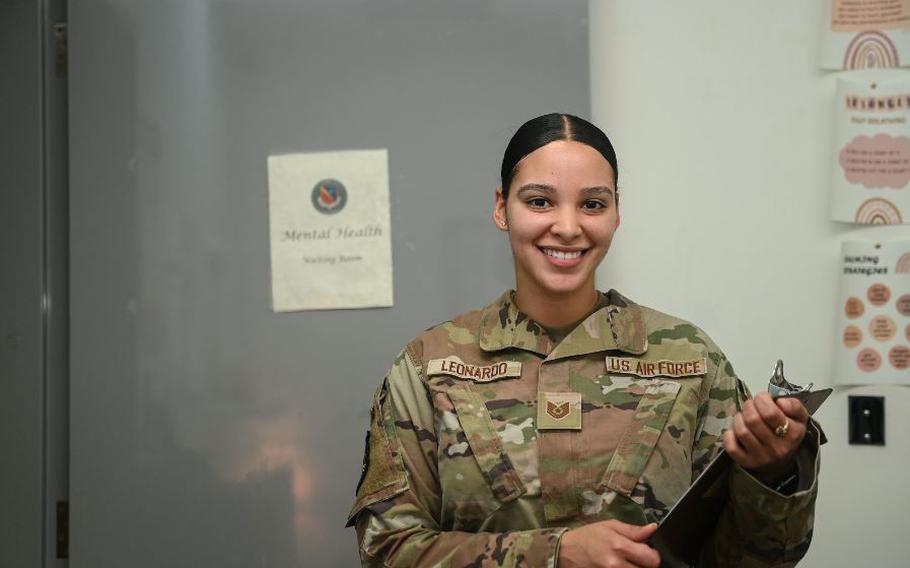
478 373
637 367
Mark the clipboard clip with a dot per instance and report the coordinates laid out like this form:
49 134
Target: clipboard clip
780 386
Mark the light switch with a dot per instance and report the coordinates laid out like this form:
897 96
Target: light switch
867 420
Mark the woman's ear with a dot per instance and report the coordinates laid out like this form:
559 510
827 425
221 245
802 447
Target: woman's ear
499 211
616 204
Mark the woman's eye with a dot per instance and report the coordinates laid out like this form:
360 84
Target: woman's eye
594 205
538 202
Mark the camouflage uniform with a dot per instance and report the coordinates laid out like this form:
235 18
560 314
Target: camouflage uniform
457 472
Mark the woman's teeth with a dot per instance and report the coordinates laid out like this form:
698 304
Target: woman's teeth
562 255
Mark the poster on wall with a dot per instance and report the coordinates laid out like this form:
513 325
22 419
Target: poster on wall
866 34
873 334
329 225
871 154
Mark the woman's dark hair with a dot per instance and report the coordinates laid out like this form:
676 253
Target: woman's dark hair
542 130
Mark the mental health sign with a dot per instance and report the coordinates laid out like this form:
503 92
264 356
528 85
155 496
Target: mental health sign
873 334
871 153
330 231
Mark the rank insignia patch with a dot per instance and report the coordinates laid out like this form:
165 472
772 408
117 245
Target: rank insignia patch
559 411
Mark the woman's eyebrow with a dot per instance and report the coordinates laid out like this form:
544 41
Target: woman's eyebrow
549 189
528 187
598 190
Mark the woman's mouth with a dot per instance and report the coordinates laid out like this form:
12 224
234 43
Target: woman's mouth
563 257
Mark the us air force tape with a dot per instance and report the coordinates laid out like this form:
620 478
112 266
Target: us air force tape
640 368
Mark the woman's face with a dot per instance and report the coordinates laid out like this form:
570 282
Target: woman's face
561 215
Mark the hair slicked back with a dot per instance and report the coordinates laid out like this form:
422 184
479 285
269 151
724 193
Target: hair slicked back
542 130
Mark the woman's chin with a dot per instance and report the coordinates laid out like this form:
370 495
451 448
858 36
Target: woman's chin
563 287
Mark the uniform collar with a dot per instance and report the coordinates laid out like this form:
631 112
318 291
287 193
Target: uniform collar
618 326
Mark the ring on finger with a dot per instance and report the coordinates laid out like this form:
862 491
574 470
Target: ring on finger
781 431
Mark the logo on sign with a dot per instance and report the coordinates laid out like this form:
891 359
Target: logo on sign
329 196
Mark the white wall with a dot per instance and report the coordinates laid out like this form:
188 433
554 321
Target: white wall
722 122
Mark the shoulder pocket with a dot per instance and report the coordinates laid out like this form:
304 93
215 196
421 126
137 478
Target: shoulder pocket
383 473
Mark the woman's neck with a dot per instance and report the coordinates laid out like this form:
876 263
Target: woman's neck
556 311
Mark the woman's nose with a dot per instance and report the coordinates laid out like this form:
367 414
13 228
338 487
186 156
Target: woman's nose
566 225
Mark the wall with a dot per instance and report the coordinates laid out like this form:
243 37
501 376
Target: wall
722 122
208 431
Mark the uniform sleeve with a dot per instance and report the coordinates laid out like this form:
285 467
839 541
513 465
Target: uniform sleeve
759 527
398 502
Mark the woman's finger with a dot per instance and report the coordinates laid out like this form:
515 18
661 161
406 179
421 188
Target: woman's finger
753 420
639 554
793 407
746 438
633 532
772 415
735 450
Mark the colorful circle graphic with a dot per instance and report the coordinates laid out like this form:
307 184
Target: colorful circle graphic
903 305
329 196
878 294
868 360
899 357
853 336
854 307
882 328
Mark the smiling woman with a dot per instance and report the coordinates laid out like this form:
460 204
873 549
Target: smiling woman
561 221
555 426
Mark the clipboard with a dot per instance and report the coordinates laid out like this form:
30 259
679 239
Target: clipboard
682 532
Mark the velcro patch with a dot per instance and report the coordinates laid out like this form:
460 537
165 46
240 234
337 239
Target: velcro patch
640 368
477 373
559 411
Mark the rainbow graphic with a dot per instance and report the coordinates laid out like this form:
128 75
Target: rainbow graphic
878 211
903 264
871 49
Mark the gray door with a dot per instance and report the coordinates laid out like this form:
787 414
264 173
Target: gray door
207 430
33 295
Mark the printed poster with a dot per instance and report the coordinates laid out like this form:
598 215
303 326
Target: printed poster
866 34
873 336
330 231
871 155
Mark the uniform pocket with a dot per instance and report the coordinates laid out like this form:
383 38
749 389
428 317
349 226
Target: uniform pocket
638 441
486 446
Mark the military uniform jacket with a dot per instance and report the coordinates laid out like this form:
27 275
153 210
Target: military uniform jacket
460 472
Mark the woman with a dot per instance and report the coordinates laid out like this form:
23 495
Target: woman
553 427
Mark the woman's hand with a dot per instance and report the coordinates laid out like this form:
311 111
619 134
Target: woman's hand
765 436
608 544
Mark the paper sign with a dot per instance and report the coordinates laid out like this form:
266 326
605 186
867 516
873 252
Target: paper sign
871 154
329 224
865 34
873 335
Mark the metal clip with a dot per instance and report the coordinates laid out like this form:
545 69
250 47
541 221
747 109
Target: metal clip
780 386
